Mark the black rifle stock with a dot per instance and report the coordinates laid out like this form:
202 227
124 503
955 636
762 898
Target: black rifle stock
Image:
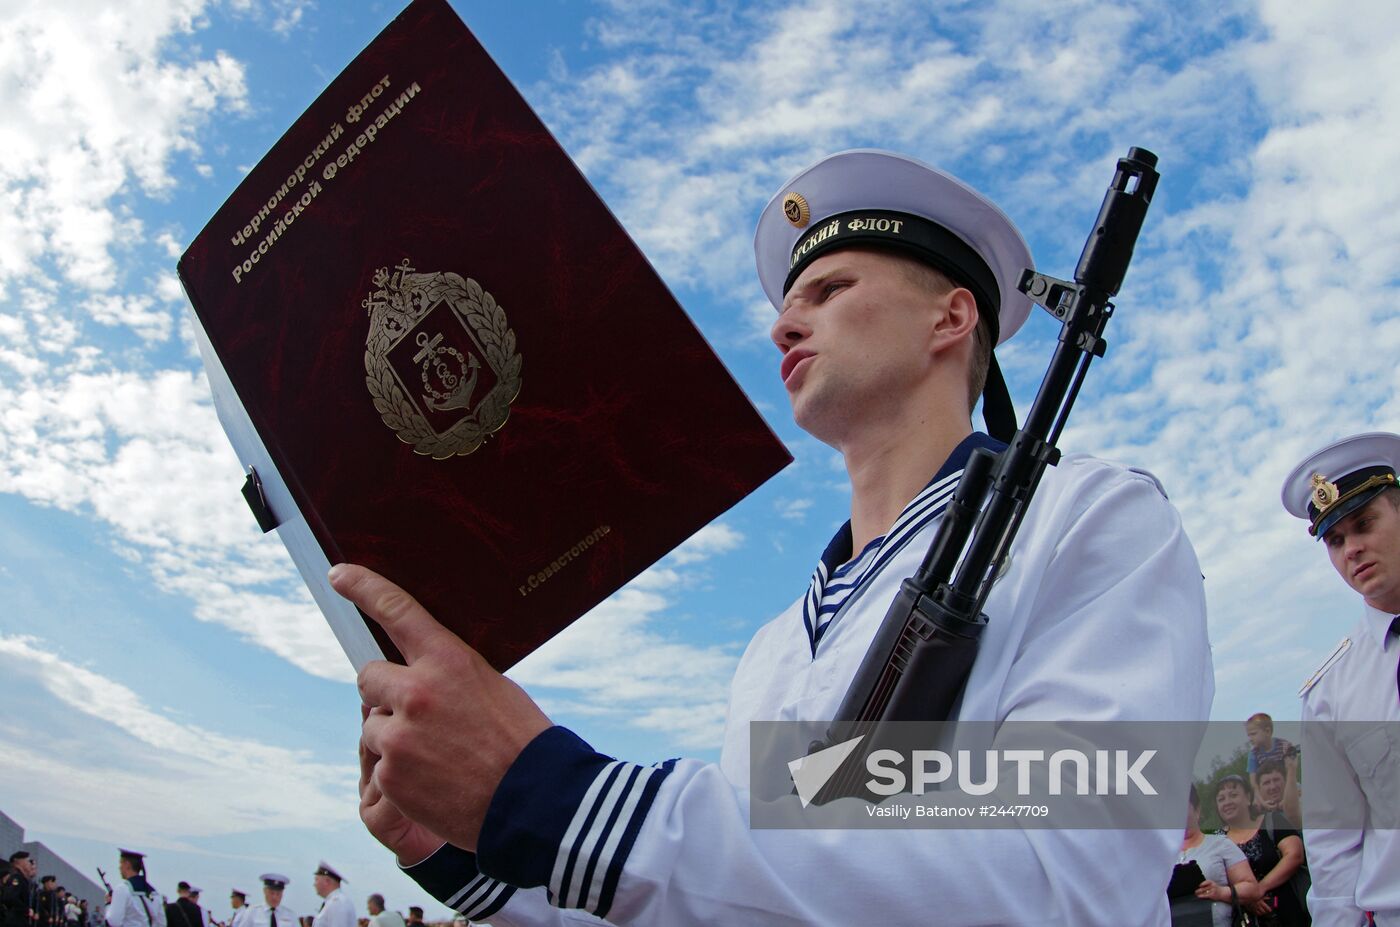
920 658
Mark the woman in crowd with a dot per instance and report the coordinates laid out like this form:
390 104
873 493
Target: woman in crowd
1228 878
1272 860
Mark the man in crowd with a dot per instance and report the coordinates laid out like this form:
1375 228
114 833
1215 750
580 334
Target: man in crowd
892 283
184 911
337 910
1351 705
415 916
238 901
1278 788
379 916
17 892
134 902
208 919
271 913
50 903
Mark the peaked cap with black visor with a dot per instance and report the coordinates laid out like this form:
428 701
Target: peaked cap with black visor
878 199
1334 481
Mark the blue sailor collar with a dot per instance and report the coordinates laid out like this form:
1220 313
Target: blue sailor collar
140 886
838 577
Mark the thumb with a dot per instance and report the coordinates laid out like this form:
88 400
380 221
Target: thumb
408 624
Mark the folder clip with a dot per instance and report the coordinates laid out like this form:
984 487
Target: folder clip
257 501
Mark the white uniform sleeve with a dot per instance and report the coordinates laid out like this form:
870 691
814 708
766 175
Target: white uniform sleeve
121 898
1334 853
1118 634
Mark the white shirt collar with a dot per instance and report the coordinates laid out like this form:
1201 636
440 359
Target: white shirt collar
1377 625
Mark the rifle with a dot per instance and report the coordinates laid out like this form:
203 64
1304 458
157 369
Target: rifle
920 658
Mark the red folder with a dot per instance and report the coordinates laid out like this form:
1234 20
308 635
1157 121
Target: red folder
448 361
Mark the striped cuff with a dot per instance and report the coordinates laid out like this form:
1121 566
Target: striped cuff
566 817
450 875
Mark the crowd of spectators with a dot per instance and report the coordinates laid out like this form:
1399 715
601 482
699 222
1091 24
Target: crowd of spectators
1251 871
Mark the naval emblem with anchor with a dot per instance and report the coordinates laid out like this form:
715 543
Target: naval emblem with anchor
440 360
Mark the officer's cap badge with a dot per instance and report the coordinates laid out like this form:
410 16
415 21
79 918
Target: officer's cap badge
1325 493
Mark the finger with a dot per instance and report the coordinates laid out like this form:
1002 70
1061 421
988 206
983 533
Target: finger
408 624
381 685
370 794
373 734
367 760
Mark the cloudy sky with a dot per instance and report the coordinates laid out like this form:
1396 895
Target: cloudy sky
166 681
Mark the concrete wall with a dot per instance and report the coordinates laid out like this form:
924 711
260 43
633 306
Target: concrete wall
50 863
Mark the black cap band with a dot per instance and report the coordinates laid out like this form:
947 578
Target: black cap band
1353 491
915 236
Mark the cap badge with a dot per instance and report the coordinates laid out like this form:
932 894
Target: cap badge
796 209
1324 493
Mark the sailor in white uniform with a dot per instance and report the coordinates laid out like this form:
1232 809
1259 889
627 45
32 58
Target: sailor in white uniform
272 912
337 910
134 901
1351 705
238 900
892 282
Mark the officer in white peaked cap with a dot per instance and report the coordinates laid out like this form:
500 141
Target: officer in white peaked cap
1348 493
238 899
337 910
272 912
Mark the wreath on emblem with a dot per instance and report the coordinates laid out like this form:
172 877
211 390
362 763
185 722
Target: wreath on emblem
402 299
1324 493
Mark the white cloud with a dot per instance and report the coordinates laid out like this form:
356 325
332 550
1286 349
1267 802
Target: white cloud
1258 320
102 105
94 107
716 538
146 457
794 509
1222 387
617 661
177 780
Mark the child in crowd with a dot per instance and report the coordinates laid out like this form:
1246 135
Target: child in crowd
1263 745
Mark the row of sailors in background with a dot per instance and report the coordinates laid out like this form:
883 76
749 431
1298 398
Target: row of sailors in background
135 903
29 902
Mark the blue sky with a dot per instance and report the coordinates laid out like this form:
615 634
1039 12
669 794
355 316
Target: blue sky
168 683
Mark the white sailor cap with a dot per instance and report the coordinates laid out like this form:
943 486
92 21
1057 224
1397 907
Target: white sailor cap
871 192
324 868
274 880
878 199
1335 481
